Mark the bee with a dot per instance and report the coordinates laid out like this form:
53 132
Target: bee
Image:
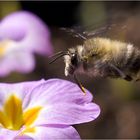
102 57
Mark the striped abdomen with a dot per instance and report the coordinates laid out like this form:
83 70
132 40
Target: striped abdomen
104 53
129 61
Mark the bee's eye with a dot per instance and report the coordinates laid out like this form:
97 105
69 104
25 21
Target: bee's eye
73 55
94 54
74 59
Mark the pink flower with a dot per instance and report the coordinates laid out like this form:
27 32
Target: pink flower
44 110
22 34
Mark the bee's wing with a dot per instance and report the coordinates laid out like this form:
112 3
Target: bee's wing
87 32
74 33
90 31
96 32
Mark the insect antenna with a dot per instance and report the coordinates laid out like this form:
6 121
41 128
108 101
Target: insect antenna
57 56
79 84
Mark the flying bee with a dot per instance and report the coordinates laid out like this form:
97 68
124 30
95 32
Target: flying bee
101 57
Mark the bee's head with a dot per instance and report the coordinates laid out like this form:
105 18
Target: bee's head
70 59
71 62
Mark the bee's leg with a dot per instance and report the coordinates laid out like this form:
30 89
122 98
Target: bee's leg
123 76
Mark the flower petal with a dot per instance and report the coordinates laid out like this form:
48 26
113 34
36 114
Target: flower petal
17 61
6 134
28 29
20 90
53 133
24 58
63 103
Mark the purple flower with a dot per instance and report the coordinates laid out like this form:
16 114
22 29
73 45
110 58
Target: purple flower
22 34
44 110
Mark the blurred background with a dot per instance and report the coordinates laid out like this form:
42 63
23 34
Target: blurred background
119 100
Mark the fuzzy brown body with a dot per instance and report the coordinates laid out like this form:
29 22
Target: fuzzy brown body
102 57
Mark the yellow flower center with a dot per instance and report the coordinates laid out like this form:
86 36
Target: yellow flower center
12 116
5 46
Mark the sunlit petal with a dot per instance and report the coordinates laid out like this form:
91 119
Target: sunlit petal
54 133
44 109
74 109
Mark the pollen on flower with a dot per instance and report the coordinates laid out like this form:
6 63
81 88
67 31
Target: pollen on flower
30 115
2 50
28 130
5 45
14 118
83 89
12 111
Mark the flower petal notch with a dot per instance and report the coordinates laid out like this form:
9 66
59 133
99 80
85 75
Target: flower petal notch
21 35
44 110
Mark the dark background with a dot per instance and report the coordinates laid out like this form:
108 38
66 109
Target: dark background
53 13
62 13
119 100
